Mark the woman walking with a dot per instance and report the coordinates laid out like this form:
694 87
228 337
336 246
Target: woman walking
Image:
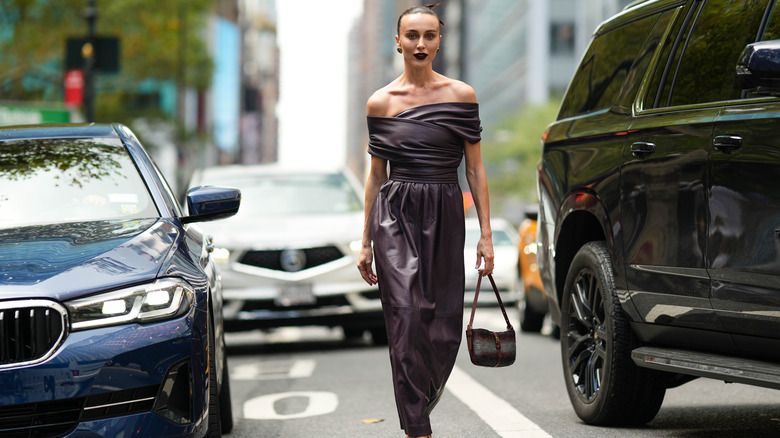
422 123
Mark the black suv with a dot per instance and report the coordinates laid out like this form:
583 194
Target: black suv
659 221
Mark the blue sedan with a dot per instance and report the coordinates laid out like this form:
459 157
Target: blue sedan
110 305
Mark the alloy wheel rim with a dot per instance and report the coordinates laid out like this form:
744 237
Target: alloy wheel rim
587 336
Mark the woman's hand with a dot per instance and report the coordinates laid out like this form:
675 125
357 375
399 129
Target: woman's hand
364 265
485 252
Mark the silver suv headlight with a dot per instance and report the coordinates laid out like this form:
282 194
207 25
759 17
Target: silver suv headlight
164 299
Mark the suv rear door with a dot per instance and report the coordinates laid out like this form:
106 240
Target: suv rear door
714 202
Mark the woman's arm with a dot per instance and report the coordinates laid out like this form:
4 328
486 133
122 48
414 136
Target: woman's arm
376 177
477 179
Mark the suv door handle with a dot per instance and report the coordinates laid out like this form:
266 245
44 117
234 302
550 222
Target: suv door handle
641 149
727 143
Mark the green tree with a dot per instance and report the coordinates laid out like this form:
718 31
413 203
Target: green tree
161 41
511 152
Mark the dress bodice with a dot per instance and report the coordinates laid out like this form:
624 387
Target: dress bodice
425 143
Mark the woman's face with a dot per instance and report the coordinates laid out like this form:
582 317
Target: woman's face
419 38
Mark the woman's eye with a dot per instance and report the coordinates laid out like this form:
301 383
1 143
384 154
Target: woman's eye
411 37
429 36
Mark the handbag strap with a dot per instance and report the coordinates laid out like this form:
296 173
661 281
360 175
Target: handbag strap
498 297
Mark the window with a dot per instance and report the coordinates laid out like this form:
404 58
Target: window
562 39
45 181
293 194
772 31
706 72
597 83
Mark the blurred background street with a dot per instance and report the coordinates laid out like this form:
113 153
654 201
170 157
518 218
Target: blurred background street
207 82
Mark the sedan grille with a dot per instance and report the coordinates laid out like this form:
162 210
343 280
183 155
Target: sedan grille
273 259
60 417
30 331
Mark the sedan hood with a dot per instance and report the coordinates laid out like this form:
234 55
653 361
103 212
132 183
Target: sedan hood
285 231
62 261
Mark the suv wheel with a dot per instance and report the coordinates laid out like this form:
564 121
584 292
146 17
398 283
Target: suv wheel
604 385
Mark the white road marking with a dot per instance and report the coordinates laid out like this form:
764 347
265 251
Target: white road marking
262 408
507 421
273 370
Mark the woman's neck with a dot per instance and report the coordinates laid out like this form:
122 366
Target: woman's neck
418 77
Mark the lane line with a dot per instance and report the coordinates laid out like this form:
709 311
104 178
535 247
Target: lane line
507 421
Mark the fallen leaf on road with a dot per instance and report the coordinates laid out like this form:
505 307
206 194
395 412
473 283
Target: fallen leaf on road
373 420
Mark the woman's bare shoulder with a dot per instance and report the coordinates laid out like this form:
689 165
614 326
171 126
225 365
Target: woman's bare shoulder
462 91
378 103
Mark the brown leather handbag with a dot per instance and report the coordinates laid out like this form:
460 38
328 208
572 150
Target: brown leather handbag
488 348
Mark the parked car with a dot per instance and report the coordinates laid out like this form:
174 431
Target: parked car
533 306
504 267
110 307
659 211
289 256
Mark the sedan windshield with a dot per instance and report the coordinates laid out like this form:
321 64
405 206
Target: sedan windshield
68 180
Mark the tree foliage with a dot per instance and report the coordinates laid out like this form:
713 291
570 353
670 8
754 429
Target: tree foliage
160 40
513 149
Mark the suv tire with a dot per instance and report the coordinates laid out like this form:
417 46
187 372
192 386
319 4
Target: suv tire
604 385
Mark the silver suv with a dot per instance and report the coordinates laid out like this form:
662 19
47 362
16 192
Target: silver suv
288 257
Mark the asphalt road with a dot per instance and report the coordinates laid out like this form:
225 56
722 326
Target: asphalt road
311 382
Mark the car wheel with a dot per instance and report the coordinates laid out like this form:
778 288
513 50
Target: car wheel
604 385
530 321
214 422
379 335
225 403
353 333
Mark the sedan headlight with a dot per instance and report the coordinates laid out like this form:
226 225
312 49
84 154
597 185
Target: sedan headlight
163 299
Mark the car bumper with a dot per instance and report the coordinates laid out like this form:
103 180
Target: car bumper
139 380
257 298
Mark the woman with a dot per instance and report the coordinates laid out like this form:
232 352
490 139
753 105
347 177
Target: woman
422 123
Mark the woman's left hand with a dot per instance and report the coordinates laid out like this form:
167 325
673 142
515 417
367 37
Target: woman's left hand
485 252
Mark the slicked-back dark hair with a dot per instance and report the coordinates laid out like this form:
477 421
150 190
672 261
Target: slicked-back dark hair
425 9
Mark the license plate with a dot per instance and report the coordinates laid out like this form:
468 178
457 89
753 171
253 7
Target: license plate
295 295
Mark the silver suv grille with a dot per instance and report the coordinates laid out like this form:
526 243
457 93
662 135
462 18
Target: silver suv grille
30 331
274 259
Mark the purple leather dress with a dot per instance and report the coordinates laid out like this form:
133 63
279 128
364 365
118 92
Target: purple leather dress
418 232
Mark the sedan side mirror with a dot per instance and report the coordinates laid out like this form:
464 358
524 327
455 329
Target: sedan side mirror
208 203
758 68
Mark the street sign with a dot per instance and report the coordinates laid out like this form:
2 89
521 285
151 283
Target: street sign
31 115
74 87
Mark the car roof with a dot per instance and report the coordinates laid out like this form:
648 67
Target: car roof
22 132
634 11
269 169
